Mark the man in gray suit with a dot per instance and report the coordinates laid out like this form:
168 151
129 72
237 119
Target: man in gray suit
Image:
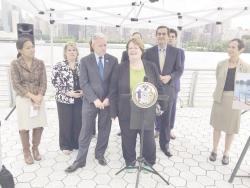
168 60
95 74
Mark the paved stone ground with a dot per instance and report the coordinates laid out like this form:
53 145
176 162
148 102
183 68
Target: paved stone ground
189 167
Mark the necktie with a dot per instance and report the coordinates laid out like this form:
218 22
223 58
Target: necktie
100 67
162 54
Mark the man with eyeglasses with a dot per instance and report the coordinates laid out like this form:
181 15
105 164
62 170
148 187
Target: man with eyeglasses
168 60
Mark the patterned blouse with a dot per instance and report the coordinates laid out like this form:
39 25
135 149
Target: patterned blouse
25 79
63 80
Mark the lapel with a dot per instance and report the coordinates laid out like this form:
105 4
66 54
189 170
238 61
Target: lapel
24 65
125 75
157 58
225 69
168 58
93 65
107 66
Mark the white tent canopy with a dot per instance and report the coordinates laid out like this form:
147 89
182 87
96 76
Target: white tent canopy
137 14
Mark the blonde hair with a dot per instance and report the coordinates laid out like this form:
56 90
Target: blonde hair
137 42
70 44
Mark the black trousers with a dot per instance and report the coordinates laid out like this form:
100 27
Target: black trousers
70 123
165 126
129 144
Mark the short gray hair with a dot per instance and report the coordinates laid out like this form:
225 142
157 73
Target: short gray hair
98 36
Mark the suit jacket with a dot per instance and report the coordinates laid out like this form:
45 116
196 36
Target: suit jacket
172 66
124 56
25 79
121 103
221 75
90 81
177 81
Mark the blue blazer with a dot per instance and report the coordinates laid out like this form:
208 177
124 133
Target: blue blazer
172 66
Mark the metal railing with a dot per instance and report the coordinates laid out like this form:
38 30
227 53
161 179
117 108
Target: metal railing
197 86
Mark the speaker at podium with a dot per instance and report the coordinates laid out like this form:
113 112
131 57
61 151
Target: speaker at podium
25 30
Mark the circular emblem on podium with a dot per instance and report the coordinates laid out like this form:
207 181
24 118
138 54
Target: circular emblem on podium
144 95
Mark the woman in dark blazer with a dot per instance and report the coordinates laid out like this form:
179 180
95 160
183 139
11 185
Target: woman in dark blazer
65 78
124 79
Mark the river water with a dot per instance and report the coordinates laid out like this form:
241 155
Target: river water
194 60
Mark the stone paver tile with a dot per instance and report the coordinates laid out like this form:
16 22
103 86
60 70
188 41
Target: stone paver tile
197 171
47 163
177 181
31 168
102 186
129 177
60 166
71 180
189 176
165 162
194 184
181 166
87 184
147 181
223 184
190 162
206 166
102 179
176 159
55 184
171 171
246 181
57 175
39 182
114 183
241 186
22 185
214 175
26 177
200 158
45 171
204 180
62 158
133 186
185 155
102 169
164 185
223 170
87 174
116 164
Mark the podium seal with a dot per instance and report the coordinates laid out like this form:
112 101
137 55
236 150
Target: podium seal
144 95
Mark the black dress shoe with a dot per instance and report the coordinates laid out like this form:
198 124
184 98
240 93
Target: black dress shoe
74 167
167 152
102 161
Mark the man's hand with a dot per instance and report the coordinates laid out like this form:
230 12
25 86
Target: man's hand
165 79
106 102
98 104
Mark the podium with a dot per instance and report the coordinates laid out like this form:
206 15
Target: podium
142 117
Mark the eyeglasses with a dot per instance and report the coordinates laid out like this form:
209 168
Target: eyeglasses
159 34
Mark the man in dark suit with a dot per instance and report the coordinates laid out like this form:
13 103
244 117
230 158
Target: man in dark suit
95 76
168 61
173 42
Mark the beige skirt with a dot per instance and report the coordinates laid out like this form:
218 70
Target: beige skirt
223 117
27 119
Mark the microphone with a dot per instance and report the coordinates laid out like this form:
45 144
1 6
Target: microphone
145 79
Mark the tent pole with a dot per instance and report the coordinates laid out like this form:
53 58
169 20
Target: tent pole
51 44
